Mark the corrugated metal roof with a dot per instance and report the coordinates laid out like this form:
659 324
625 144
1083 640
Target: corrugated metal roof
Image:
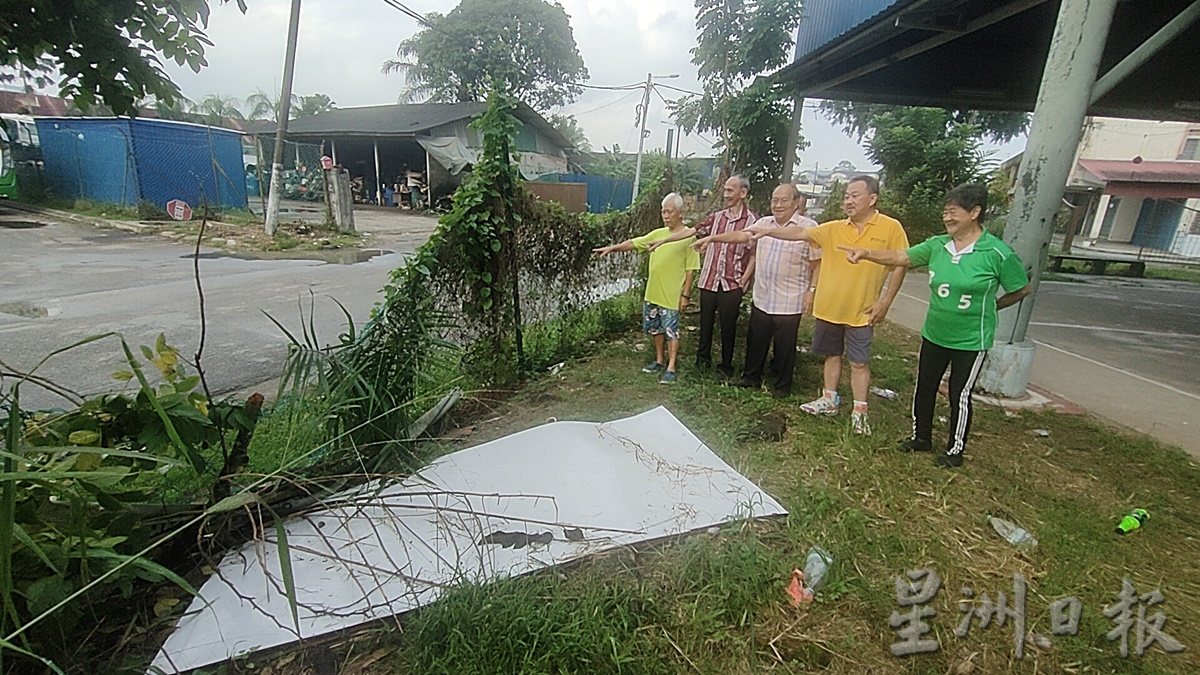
403 119
825 21
385 120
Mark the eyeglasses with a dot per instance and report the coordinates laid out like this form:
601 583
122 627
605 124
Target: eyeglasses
781 202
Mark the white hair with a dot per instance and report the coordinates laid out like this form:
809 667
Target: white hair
674 199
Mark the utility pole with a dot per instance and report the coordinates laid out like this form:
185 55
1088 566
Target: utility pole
1062 102
285 109
645 112
793 140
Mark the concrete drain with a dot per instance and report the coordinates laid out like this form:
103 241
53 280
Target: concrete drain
23 309
20 224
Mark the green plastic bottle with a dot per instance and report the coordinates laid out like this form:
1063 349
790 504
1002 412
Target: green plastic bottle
1132 521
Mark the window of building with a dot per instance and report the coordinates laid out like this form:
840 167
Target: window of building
1191 149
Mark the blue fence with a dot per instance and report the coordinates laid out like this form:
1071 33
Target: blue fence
604 193
127 161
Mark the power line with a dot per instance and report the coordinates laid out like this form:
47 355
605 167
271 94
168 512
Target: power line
682 91
606 105
422 20
624 87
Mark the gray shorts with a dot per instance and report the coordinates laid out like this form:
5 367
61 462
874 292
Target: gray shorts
829 339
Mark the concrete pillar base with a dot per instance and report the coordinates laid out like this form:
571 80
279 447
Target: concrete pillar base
1006 370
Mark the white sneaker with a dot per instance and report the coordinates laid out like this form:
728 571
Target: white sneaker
823 406
859 421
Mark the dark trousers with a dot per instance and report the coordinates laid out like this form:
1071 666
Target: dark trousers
765 329
728 304
964 370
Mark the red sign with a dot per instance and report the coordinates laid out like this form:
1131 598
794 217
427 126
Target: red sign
179 209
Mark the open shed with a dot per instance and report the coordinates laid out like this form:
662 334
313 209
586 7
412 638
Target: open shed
382 143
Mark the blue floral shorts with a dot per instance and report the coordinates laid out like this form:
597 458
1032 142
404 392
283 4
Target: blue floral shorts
658 320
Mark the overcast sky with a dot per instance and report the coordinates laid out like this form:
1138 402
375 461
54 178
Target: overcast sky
344 42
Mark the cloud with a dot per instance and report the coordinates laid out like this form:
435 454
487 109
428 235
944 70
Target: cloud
342 46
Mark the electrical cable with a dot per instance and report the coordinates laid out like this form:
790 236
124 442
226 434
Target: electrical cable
422 20
606 105
682 91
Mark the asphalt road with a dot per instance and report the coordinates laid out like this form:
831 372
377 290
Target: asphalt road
60 283
1145 327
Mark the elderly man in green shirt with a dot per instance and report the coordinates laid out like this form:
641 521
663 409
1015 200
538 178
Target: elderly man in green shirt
668 288
967 267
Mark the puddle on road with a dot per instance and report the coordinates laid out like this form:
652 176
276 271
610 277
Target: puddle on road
348 256
25 309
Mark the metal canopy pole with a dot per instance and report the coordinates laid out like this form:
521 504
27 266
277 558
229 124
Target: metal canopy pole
1138 57
1063 97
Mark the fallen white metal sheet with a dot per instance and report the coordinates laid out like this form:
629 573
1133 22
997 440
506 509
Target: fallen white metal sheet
541 497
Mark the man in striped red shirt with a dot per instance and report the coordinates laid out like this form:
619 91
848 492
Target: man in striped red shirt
781 292
724 275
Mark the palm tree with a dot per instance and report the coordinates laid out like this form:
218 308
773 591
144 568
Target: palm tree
216 107
178 110
569 127
264 106
313 105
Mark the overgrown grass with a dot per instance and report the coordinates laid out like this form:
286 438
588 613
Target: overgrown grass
715 604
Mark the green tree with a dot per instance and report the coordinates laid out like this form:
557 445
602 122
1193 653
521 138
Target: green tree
686 174
178 109
569 127
264 106
313 104
924 152
833 202
215 108
527 45
739 41
106 50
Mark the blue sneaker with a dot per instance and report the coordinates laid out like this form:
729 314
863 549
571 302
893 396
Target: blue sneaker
668 377
652 367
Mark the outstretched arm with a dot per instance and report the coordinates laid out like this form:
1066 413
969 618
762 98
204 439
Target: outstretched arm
735 237
881 256
682 234
786 233
626 245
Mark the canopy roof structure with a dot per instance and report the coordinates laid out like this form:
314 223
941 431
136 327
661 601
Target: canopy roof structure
982 55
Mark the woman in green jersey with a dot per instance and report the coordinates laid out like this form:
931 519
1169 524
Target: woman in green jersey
967 267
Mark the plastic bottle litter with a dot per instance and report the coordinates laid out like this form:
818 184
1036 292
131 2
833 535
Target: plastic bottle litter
884 393
1016 536
816 568
1133 521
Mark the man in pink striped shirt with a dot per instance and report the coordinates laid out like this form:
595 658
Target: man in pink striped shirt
726 272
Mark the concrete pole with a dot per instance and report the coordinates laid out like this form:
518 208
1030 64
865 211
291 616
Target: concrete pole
1071 66
378 178
333 150
271 221
793 140
637 171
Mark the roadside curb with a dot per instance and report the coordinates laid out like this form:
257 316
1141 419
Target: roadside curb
135 226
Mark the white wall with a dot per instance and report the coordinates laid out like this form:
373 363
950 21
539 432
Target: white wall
1125 220
1121 139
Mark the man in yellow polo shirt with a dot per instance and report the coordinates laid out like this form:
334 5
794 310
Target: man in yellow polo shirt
850 299
668 287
